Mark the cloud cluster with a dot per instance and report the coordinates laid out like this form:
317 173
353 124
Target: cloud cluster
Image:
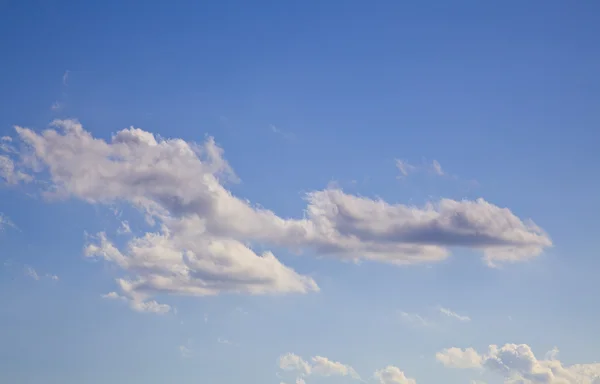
200 244
518 364
322 366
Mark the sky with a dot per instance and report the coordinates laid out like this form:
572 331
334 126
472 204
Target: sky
315 192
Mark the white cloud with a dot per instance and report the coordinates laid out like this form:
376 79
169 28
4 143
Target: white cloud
30 272
518 364
459 358
138 302
414 318
200 244
278 131
293 362
319 366
124 228
404 167
185 351
437 168
57 105
65 77
6 138
324 367
454 315
9 173
220 340
393 375
5 222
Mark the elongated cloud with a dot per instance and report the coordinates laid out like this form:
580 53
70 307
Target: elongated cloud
200 243
319 365
518 364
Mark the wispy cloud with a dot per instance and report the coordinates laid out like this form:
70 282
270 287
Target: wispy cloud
404 167
65 78
279 131
447 312
220 340
414 318
437 168
186 351
30 272
56 106
124 228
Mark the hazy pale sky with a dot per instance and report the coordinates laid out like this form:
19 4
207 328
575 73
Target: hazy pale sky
316 192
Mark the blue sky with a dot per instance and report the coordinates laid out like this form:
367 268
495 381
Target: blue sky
289 191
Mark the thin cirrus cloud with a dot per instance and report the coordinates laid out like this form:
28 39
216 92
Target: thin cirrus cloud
517 363
449 313
405 168
198 244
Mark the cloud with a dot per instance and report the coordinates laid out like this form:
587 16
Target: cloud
393 375
30 272
124 228
65 78
319 366
186 351
224 341
293 362
459 358
454 315
138 302
324 367
518 364
414 318
57 105
437 168
9 173
404 167
407 168
5 222
284 134
199 245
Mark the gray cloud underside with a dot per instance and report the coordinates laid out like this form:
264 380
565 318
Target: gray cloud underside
200 244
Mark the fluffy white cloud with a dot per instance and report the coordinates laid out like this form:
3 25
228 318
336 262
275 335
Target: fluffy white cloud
459 358
518 364
392 375
319 365
200 246
293 362
324 367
